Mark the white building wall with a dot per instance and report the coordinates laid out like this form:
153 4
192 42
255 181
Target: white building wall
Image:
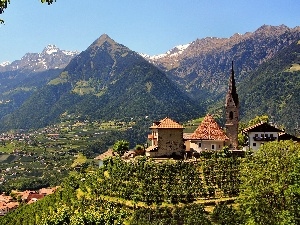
256 139
204 145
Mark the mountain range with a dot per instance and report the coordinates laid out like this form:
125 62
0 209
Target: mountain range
19 79
110 81
106 81
201 67
50 58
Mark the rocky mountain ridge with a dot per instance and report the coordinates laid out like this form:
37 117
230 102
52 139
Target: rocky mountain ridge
109 79
202 69
50 58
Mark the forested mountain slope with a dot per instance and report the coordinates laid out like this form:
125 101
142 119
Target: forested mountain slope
274 89
107 81
19 79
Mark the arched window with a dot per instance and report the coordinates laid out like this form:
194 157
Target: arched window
231 115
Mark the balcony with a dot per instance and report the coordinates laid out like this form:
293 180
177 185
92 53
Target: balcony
264 138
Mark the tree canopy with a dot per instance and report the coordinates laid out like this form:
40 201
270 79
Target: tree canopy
121 147
270 190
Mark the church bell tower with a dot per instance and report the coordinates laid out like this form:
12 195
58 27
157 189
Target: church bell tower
232 112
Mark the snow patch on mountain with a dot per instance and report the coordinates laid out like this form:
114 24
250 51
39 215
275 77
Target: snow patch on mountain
50 49
50 58
177 50
71 53
6 63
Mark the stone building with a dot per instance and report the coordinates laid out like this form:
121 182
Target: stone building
232 112
166 139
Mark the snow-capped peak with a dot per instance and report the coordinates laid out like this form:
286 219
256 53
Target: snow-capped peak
182 47
6 63
177 50
50 49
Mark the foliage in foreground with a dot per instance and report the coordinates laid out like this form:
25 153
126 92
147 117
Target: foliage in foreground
269 194
270 190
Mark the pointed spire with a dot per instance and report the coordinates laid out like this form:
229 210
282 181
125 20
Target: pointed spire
232 87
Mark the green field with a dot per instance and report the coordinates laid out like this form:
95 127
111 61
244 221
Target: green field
8 158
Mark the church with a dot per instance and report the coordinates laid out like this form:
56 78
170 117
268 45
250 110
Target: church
168 139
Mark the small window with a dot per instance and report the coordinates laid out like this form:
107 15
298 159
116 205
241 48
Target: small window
231 115
266 135
254 144
213 147
256 135
262 135
271 135
199 144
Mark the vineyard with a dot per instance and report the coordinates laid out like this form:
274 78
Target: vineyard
141 191
213 190
170 182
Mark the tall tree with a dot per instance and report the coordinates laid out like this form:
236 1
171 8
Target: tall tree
270 190
121 147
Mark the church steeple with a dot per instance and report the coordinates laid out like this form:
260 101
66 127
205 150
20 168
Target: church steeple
232 111
232 87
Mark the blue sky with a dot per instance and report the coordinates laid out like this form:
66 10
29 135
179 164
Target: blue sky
146 26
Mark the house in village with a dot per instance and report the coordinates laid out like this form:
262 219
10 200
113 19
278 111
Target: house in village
8 203
208 136
166 139
263 132
7 207
167 136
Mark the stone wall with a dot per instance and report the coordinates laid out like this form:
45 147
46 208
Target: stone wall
170 141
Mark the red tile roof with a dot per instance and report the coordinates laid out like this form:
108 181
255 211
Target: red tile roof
47 191
35 196
5 198
166 123
209 130
12 205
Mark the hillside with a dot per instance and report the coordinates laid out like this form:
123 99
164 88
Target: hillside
16 87
106 81
274 89
19 79
215 190
202 67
